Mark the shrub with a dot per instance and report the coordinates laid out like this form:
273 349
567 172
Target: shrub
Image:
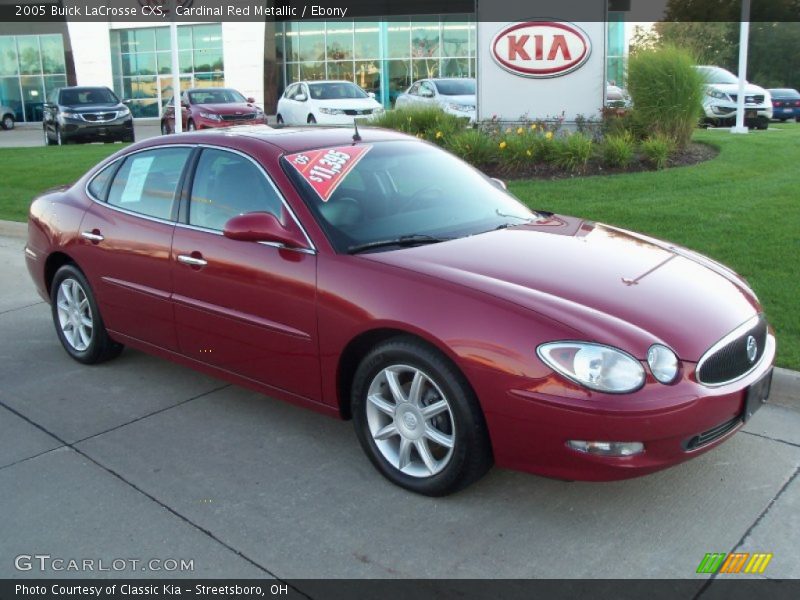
573 152
617 150
427 121
473 146
657 149
667 92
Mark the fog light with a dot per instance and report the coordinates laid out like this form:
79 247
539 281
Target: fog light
607 448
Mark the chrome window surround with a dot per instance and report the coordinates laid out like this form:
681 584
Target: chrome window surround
310 250
736 333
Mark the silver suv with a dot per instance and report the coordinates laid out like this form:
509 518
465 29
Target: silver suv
721 94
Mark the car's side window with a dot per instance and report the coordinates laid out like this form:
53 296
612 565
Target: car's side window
147 181
414 89
427 86
226 185
99 184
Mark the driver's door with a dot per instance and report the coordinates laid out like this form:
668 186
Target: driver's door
245 307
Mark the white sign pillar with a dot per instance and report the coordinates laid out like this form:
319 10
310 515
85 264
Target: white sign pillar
744 37
176 72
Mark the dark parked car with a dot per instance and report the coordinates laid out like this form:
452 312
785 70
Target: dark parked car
381 278
206 108
86 114
785 104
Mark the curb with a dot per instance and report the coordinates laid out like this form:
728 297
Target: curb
785 383
13 229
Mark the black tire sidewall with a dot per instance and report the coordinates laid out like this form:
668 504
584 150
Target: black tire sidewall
98 346
471 454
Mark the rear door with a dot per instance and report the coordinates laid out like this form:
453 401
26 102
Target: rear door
245 307
126 239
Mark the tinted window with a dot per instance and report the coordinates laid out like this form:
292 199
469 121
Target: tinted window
335 91
147 181
456 87
226 185
98 185
74 96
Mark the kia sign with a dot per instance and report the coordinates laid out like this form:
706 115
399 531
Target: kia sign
541 48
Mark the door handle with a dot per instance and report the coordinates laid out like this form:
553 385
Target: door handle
193 261
93 236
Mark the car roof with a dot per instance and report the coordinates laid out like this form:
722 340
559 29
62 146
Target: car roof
783 91
290 139
323 81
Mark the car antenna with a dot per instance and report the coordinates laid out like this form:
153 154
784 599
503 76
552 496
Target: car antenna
356 135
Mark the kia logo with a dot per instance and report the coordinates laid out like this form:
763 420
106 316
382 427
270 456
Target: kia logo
541 48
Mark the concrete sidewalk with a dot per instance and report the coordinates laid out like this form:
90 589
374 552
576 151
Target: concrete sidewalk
141 459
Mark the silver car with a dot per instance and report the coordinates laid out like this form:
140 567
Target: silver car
454 95
6 117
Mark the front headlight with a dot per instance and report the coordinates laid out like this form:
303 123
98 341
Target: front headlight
211 116
461 107
331 111
663 363
594 366
717 94
68 114
123 112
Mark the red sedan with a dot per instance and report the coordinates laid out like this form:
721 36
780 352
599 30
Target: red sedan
206 108
379 278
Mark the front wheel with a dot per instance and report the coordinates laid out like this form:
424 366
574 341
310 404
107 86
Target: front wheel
77 318
312 120
8 122
164 128
418 420
190 126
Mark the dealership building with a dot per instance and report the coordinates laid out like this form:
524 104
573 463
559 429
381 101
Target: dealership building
382 55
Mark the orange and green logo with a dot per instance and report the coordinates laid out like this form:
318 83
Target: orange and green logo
735 562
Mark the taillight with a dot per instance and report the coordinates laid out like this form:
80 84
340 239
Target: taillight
797 103
776 103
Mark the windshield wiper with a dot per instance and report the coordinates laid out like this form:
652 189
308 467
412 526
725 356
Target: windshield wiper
404 240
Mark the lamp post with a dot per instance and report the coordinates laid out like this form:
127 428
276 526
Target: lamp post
176 72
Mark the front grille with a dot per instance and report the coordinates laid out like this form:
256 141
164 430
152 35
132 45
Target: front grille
238 117
757 99
728 359
353 112
94 117
712 434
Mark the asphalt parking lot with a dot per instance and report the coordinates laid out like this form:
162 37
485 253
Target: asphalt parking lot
29 135
143 459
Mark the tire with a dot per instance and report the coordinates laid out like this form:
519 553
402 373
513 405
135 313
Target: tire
128 138
311 120
797 119
8 122
77 319
396 435
782 120
164 128
762 123
279 119
190 126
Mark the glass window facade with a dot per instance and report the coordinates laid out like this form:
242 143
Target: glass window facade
616 58
31 66
383 57
141 63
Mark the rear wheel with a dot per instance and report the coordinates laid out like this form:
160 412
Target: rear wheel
762 123
77 319
279 119
418 420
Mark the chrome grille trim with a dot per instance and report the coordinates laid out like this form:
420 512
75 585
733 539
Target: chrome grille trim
731 337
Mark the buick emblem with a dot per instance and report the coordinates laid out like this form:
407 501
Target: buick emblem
752 348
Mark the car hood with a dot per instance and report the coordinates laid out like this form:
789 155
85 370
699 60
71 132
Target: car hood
733 88
92 108
228 108
610 285
355 103
466 100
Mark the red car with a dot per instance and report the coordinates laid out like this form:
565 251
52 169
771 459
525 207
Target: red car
379 278
205 108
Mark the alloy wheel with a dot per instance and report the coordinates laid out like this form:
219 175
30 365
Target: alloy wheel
410 420
74 314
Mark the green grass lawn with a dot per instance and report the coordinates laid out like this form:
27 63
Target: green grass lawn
742 208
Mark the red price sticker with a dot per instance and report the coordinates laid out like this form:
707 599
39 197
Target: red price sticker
325 169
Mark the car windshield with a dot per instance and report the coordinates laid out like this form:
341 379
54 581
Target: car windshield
336 90
717 75
216 96
77 96
785 93
456 87
399 190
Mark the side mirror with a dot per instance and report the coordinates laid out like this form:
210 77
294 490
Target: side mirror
499 183
300 97
371 95
261 227
250 99
127 102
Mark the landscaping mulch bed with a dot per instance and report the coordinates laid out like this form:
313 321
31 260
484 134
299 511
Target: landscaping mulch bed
693 154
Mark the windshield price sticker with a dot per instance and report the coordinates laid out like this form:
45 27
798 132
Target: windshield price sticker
325 169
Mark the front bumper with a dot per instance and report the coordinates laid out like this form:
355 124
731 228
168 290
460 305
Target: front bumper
530 428
720 110
323 119
115 129
203 123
